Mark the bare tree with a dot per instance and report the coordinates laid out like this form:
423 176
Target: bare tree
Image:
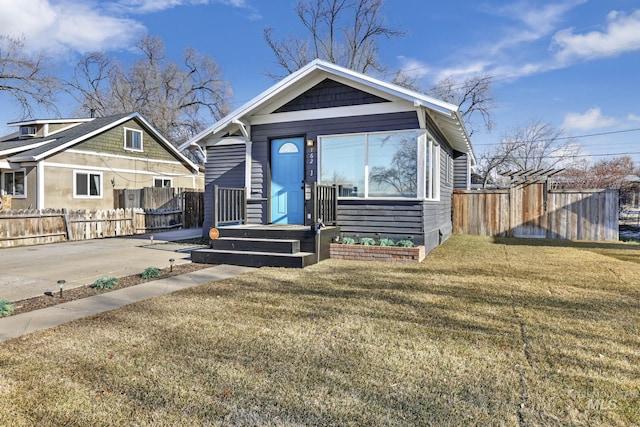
345 32
604 174
177 100
474 97
534 146
24 77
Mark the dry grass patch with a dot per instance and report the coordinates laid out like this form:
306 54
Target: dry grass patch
482 332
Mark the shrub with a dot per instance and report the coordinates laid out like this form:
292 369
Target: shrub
105 283
6 308
347 241
367 241
406 243
150 273
387 242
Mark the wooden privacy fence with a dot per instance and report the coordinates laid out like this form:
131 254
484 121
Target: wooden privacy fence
531 210
190 203
34 227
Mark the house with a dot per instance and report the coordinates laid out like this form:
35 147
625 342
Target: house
393 154
77 163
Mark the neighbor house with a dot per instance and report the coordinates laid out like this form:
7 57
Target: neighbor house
394 155
78 163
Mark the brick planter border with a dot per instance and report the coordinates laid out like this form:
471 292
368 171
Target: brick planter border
377 253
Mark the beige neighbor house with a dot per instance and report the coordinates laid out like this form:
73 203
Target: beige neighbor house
78 163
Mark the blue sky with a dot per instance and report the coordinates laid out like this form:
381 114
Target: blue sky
573 63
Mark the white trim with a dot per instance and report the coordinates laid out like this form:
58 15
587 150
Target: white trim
327 113
119 156
88 173
40 185
138 131
106 169
421 160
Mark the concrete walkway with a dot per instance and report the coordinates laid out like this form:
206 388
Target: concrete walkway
30 271
20 324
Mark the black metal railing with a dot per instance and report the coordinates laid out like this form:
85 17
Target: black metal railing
325 203
229 206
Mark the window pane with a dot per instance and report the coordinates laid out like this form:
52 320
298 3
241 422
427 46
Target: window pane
342 163
8 183
19 184
95 185
82 188
393 167
428 172
133 139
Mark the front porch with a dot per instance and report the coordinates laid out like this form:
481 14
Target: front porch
273 245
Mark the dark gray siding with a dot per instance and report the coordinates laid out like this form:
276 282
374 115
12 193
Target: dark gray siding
310 129
226 169
327 94
460 171
396 220
437 214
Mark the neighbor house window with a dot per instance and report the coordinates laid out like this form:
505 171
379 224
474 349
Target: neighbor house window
14 183
162 182
87 184
132 139
380 164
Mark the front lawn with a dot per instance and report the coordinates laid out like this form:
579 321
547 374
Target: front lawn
486 332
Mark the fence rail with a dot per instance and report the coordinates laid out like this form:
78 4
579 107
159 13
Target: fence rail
557 214
35 227
230 206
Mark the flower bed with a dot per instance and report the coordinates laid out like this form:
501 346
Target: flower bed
377 253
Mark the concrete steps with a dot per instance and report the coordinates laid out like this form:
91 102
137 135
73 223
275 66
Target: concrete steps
266 246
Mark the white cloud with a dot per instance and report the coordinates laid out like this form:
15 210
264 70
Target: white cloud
633 117
535 21
589 120
71 25
150 6
412 67
62 26
621 35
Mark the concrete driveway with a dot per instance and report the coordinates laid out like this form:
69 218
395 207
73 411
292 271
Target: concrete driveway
30 271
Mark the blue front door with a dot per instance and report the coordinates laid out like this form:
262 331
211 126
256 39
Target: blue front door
287 174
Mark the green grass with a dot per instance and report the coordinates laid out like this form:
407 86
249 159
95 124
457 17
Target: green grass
483 332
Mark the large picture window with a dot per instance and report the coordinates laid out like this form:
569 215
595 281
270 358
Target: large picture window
87 184
14 183
380 164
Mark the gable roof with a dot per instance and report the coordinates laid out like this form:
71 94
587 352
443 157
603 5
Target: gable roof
444 114
36 149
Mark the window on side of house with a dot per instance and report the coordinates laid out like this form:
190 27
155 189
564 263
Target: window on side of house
132 139
380 164
87 184
432 170
160 182
15 183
